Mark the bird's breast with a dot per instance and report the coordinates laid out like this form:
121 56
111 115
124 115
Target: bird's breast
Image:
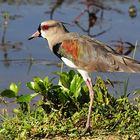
68 49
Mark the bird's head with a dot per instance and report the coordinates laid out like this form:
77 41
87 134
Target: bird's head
49 29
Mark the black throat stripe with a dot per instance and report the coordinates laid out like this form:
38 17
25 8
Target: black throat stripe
56 50
39 30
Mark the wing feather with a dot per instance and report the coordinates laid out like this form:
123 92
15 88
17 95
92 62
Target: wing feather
92 55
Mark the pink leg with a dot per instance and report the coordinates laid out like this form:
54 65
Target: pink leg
91 95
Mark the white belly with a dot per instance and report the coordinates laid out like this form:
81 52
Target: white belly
72 65
68 62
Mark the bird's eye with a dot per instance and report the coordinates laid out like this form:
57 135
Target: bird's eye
45 27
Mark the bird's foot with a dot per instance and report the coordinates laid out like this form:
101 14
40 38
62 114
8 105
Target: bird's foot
87 130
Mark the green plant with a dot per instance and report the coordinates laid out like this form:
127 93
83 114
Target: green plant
23 100
62 111
65 97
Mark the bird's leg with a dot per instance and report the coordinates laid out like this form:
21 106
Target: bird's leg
91 95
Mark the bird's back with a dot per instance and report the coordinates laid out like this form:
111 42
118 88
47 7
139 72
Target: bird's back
92 55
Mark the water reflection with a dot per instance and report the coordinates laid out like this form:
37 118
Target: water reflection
92 20
23 2
7 45
95 13
123 47
54 6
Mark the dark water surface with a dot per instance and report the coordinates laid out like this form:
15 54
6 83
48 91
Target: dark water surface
21 60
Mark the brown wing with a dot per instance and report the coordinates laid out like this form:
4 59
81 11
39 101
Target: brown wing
92 55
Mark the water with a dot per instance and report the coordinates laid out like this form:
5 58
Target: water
16 55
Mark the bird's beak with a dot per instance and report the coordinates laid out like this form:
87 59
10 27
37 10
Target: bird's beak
34 35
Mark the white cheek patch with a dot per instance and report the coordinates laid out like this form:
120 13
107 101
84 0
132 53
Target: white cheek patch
43 34
68 62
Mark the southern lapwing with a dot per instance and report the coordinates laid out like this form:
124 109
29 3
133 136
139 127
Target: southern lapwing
84 54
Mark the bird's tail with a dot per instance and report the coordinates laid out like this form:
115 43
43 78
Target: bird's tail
126 64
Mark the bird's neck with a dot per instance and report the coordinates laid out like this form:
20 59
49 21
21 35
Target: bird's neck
55 39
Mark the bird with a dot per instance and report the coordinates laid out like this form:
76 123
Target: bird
85 54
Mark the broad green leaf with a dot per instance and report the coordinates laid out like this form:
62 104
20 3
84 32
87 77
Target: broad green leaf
64 79
8 93
14 88
47 84
76 84
30 85
36 86
71 74
41 86
26 98
37 79
46 80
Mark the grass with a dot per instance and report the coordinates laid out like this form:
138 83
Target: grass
61 112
